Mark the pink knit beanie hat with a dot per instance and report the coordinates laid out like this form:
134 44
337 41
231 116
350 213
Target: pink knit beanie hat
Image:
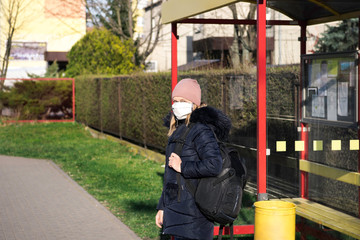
189 89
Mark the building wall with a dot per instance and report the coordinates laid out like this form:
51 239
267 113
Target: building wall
286 43
55 24
139 6
161 57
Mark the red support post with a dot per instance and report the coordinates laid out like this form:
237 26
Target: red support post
174 38
261 100
359 112
73 99
304 136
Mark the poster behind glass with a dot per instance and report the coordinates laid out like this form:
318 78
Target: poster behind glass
329 88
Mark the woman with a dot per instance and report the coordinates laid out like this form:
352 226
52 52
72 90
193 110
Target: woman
177 213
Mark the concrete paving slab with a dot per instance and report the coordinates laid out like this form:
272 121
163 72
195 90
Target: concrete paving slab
39 201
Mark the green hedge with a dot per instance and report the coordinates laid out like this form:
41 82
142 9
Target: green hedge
144 100
133 107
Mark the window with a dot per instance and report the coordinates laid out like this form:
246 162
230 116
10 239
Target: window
151 66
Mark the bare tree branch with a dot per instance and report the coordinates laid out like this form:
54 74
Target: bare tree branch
244 36
130 19
152 44
123 26
11 14
234 49
117 26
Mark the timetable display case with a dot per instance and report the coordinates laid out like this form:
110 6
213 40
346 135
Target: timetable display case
329 89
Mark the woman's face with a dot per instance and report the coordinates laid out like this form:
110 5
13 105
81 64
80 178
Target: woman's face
180 99
182 107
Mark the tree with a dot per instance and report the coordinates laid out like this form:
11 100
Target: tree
51 72
10 12
244 36
115 15
343 37
101 52
119 17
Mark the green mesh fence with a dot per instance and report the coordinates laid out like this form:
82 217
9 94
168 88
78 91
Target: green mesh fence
133 108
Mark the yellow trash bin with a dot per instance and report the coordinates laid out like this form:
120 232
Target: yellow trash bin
274 220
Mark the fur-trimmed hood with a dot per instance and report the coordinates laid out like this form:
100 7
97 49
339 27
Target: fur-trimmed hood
216 119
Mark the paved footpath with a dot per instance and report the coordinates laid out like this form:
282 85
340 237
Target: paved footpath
39 201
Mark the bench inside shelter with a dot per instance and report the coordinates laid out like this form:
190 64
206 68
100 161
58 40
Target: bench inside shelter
326 217
323 215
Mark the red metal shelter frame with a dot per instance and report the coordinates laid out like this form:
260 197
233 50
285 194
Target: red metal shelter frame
261 97
261 93
359 114
47 79
261 78
304 176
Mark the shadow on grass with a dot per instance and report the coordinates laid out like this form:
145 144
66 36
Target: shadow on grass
248 200
161 175
142 206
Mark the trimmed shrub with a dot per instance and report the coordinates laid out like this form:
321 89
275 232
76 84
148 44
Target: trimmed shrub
101 52
131 107
39 100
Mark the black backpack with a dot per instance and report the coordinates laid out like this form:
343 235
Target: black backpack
219 198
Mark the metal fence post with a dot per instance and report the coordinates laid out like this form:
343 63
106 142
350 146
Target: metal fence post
119 106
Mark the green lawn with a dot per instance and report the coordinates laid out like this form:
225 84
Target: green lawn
127 184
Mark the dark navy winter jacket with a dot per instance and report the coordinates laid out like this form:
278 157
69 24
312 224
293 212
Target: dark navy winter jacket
200 158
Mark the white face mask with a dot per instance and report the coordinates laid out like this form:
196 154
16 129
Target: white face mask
182 109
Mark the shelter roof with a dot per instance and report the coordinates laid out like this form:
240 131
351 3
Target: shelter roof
309 11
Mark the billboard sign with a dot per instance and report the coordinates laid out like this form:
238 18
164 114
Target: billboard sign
28 51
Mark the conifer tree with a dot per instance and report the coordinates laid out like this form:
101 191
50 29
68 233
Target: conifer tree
343 37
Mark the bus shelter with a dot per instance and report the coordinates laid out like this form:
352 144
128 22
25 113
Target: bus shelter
302 13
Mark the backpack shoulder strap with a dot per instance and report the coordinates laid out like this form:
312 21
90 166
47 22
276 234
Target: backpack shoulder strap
217 139
178 149
231 231
181 141
222 226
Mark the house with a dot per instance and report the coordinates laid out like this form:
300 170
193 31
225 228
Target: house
214 42
45 31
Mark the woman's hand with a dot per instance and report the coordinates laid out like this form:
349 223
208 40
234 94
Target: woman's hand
175 162
159 218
